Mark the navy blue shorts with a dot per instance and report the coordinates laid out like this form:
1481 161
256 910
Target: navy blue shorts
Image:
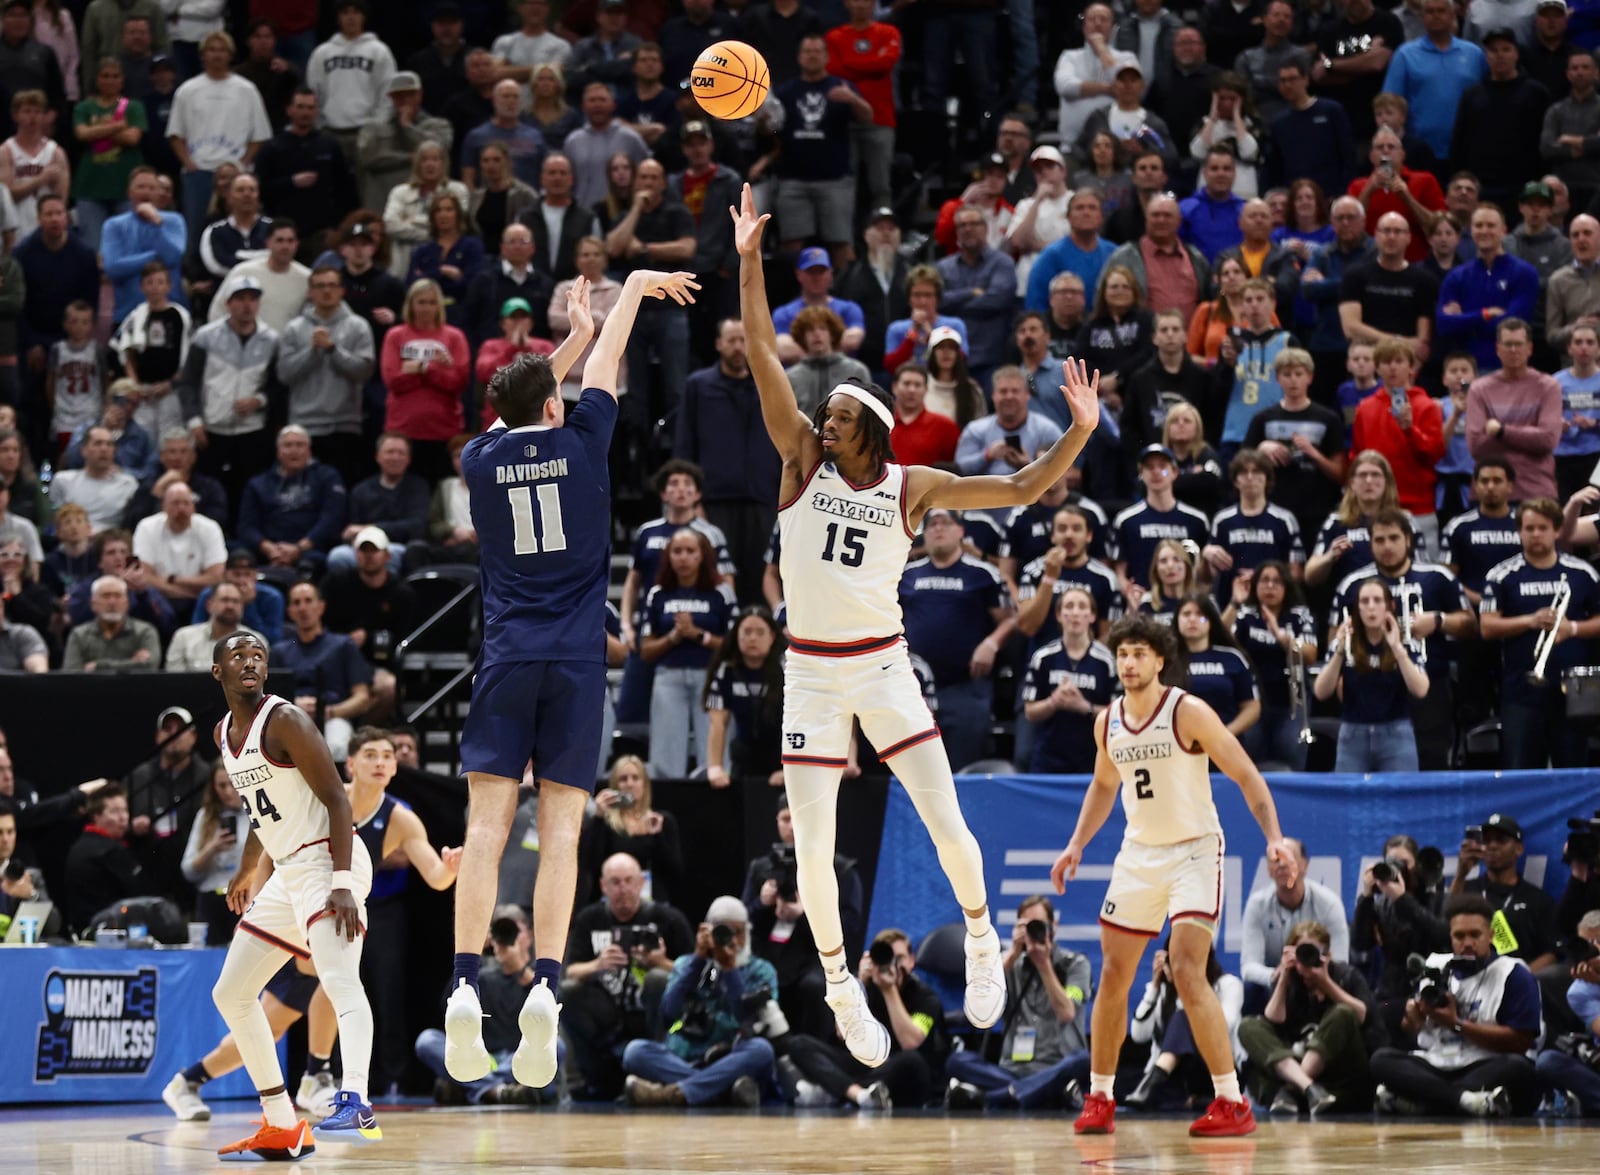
291 988
549 711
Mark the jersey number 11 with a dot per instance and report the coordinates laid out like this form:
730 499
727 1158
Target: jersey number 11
525 540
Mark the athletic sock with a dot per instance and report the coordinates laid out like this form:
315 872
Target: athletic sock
279 1109
466 971
316 1064
196 1074
1102 1083
980 926
548 970
1227 1085
834 968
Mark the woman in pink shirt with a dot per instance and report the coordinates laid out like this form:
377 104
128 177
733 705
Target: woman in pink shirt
426 365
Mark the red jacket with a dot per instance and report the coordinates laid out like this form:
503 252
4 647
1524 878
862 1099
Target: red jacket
1423 188
426 405
1413 453
867 59
496 353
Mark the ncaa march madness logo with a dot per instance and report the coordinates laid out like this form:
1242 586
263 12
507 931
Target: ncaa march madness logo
97 1024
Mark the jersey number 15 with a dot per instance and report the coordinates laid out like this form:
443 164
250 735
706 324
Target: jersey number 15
524 534
852 551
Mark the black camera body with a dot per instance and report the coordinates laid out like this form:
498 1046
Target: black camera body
641 938
1430 984
1308 954
722 936
1388 870
504 931
1583 842
882 956
1037 930
1581 1046
15 870
1577 949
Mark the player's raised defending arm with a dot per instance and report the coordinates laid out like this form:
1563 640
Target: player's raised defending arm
786 424
1196 723
606 358
438 869
581 329
1097 804
934 487
301 743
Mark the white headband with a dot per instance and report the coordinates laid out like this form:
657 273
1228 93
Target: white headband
869 400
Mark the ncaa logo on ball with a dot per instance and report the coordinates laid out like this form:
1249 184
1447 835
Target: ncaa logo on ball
702 82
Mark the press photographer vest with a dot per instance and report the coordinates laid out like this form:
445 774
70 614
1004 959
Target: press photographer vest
1478 999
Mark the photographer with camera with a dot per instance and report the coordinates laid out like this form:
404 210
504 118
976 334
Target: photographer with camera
1321 1023
1268 915
625 820
780 932
1044 1056
619 959
722 1005
822 1071
502 991
1161 1022
1476 1017
1524 920
1569 1070
1397 914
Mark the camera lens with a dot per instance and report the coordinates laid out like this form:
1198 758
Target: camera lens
1037 930
1383 871
882 955
1309 954
504 931
722 937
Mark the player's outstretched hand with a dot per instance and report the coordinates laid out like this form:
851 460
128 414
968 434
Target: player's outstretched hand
451 859
1082 392
747 225
678 286
346 914
578 312
1066 867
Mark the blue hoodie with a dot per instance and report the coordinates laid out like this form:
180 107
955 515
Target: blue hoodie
1211 225
1511 284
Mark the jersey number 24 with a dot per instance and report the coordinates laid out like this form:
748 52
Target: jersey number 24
261 810
524 534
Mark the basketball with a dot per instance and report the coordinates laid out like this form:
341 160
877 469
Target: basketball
730 80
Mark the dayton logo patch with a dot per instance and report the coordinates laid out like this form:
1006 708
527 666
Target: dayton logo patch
97 1024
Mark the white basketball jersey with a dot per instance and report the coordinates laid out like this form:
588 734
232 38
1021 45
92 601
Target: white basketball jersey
843 550
1166 788
284 812
27 166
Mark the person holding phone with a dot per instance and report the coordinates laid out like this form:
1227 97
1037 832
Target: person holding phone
1406 425
1524 921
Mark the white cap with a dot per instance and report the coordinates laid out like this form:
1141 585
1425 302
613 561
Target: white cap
946 334
177 712
728 909
1047 154
373 535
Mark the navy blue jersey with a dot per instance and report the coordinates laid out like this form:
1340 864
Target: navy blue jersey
1026 530
756 739
541 504
1093 577
946 611
1517 588
1360 552
1475 545
650 544
1064 742
390 882
1269 657
328 668
1222 679
1252 539
1167 612
1375 695
1136 532
984 534
709 609
1441 592
774 544
613 620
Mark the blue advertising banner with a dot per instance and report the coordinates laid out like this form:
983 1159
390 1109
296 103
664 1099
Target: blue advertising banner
87 1024
1022 822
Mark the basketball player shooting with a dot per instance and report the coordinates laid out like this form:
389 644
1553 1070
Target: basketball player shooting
847 515
541 503
1154 742
311 905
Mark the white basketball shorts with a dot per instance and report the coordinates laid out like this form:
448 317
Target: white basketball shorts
824 691
1152 883
297 893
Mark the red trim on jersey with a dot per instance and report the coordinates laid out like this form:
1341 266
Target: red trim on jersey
865 485
1197 749
320 914
253 714
782 506
297 952
813 761
1195 916
1216 910
319 841
1129 929
906 744
871 644
1131 728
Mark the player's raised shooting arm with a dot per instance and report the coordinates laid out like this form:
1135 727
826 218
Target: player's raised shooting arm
786 424
298 741
606 358
1195 723
580 329
931 487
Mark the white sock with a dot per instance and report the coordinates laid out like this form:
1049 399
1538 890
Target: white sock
864 1098
980 926
279 1109
1102 1083
1227 1086
834 968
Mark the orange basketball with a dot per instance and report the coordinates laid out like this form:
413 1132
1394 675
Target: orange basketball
730 80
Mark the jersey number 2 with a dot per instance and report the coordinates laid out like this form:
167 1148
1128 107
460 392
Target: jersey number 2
855 545
263 807
1141 784
524 540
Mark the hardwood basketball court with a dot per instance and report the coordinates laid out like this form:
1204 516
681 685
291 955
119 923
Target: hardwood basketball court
112 1140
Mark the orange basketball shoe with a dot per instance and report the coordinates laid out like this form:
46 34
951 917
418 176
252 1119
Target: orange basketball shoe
1099 1115
273 1144
1224 1119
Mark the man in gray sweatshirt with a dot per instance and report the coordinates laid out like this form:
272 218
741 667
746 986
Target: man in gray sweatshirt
325 356
1570 142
